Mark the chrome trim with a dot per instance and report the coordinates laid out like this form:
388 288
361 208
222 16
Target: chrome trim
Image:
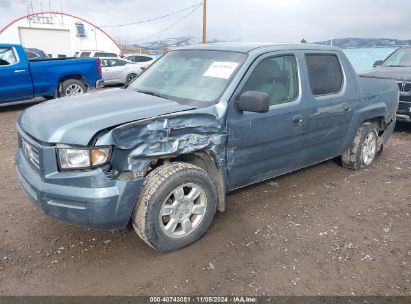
403 118
403 85
31 153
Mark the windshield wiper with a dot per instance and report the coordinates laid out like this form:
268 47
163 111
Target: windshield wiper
152 93
397 66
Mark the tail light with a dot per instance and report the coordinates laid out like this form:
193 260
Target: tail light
98 62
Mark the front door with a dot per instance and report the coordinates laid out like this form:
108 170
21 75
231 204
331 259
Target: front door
15 78
117 70
263 145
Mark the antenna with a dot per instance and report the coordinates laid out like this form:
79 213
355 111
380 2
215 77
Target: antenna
61 11
28 12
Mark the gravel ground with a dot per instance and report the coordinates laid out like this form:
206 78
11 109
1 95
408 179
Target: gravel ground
323 230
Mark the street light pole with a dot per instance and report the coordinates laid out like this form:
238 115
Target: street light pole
204 21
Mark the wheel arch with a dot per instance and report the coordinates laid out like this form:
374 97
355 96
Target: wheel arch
68 77
206 161
376 116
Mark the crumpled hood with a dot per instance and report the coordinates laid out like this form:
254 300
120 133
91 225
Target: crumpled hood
75 120
396 73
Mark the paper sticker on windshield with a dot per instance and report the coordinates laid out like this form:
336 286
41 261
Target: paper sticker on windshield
221 69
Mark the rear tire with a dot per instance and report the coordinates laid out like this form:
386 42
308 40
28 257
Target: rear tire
130 77
176 206
72 87
364 148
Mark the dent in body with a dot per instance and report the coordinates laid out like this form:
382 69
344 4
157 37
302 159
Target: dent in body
137 145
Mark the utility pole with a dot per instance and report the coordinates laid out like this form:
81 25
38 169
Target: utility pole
204 21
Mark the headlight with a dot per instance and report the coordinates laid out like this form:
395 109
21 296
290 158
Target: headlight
82 158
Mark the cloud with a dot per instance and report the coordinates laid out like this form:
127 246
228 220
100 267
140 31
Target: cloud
4 4
258 20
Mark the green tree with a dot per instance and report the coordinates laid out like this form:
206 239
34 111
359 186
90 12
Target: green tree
303 40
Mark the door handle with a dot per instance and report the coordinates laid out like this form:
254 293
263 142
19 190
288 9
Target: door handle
298 120
347 108
19 71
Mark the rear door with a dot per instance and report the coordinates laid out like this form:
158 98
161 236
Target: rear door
15 78
263 145
106 67
331 101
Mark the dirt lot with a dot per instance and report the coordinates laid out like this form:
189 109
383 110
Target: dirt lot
323 230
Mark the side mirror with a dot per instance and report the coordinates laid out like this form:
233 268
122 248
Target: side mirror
253 101
377 63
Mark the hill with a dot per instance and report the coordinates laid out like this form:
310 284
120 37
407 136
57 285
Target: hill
365 42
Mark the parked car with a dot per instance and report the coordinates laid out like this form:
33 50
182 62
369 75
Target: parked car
397 66
142 60
22 79
94 54
119 71
32 53
199 123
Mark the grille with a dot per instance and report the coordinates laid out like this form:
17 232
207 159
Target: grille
406 98
31 153
404 86
404 107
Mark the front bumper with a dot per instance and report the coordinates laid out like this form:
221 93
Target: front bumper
107 205
404 107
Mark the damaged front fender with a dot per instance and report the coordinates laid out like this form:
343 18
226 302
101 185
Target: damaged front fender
138 144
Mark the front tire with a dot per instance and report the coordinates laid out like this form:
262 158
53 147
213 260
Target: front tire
176 206
364 148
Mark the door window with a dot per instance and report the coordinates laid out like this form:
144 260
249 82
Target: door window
105 63
277 77
7 56
103 54
325 74
141 58
118 62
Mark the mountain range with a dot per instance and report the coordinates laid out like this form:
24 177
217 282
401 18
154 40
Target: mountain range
343 43
365 42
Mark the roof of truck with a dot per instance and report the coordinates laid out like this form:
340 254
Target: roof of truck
246 47
9 44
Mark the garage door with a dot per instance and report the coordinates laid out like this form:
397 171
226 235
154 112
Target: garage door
55 42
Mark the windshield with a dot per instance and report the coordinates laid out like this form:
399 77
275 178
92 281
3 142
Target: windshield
401 58
190 75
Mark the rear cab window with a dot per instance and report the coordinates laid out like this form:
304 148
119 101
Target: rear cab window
31 55
325 73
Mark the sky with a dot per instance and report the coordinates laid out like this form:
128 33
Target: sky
235 20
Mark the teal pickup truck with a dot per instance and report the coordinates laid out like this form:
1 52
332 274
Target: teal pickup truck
163 152
22 79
